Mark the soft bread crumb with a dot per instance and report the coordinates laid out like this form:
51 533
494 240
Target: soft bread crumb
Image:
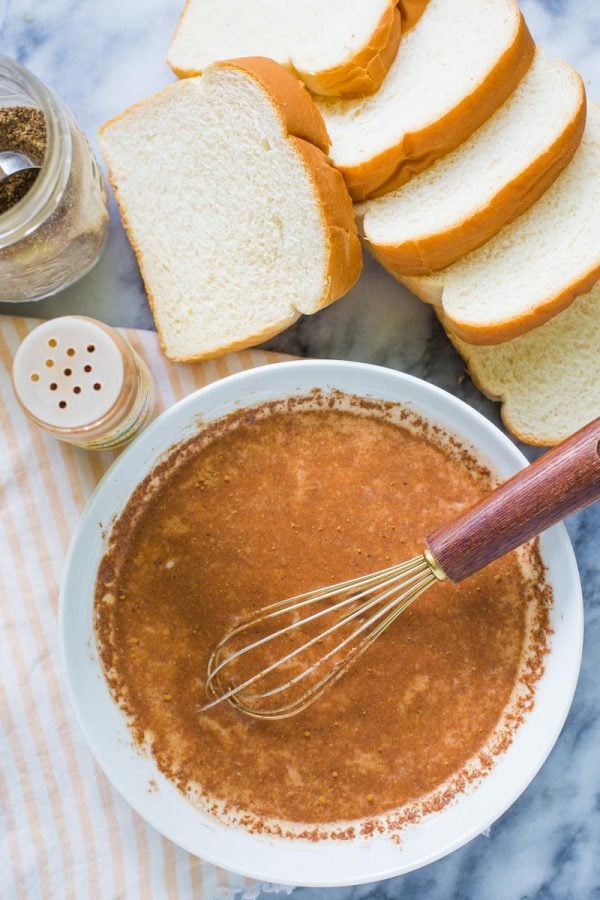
338 47
535 266
227 213
548 380
467 196
457 65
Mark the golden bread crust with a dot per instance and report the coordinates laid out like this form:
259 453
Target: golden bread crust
411 11
303 125
489 335
361 73
364 72
534 440
416 151
438 250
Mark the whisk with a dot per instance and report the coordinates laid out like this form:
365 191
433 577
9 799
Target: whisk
341 621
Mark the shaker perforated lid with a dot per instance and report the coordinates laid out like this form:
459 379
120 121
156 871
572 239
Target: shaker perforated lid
68 372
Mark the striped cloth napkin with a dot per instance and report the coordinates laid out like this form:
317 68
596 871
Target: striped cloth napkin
64 831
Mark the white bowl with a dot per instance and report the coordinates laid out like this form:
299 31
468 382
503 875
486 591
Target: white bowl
300 862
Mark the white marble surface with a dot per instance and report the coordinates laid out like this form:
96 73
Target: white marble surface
100 56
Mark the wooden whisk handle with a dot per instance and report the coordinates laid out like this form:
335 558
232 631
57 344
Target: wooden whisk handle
559 483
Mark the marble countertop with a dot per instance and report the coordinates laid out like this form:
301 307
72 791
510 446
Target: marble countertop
102 56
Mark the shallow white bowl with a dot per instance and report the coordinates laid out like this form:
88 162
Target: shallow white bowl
294 861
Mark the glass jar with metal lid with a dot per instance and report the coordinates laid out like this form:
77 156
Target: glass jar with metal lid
55 232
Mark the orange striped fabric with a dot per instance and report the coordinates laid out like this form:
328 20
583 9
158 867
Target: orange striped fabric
67 833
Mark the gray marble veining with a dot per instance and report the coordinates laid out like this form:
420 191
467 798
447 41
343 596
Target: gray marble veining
100 56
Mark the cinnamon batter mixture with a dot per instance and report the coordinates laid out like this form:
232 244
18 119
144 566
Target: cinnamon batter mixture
275 502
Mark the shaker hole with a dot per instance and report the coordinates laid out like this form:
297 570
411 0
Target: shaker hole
68 372
53 386
34 376
90 348
87 368
53 342
71 351
49 363
97 386
76 389
62 404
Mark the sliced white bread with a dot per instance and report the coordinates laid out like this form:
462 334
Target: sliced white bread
534 267
237 218
454 69
465 198
548 380
338 48
411 11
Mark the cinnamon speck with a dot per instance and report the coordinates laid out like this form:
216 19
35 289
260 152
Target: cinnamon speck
177 623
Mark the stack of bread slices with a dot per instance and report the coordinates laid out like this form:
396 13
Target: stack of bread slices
471 159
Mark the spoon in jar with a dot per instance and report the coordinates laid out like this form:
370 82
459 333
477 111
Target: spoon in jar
12 162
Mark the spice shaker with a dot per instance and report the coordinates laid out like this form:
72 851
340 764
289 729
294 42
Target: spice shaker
53 220
83 382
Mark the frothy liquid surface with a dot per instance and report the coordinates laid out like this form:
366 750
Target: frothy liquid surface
277 504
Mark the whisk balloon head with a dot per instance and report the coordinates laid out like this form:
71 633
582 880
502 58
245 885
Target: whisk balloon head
277 662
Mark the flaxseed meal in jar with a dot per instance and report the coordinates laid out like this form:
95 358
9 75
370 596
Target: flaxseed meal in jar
53 219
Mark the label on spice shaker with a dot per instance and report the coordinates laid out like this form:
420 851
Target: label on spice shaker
82 382
139 416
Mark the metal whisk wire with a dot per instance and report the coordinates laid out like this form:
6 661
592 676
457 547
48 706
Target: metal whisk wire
565 479
386 594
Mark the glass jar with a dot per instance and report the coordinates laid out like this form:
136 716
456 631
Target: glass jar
57 231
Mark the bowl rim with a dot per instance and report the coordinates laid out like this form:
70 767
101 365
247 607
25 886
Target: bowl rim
145 439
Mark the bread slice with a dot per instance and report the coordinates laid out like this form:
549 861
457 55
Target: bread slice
410 12
237 218
338 48
455 67
465 198
548 380
534 267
